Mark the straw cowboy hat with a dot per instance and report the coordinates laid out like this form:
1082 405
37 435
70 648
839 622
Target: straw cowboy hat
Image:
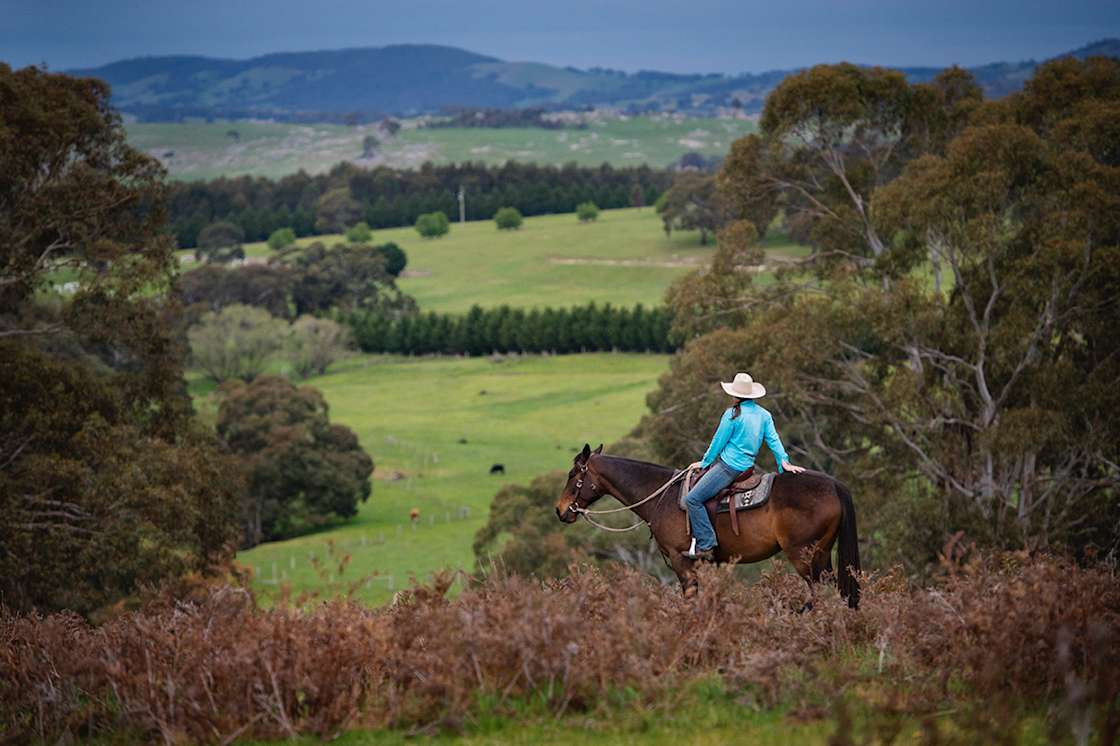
744 387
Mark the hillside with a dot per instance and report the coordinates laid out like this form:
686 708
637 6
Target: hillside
624 258
364 84
200 150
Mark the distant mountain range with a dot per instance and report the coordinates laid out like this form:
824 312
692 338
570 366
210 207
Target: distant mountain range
409 79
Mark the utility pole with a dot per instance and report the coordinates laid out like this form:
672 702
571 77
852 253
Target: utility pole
462 205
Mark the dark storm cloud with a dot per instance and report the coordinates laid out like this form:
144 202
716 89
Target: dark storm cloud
697 36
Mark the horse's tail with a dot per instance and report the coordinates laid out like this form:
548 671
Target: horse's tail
847 552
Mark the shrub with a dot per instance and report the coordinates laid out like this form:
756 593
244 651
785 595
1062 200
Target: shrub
313 344
433 225
508 218
281 238
236 342
359 233
428 660
395 258
587 212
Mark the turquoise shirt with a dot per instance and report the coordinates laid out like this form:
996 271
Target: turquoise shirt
737 441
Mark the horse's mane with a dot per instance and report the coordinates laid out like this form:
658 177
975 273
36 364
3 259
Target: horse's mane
639 462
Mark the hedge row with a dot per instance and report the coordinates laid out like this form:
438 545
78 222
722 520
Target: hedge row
503 329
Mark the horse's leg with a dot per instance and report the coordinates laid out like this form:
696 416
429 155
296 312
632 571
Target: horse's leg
685 571
802 558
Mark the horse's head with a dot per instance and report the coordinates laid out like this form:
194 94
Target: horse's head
583 487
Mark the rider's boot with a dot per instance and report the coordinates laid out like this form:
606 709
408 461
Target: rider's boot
707 555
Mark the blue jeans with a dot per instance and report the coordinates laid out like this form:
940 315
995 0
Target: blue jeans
716 478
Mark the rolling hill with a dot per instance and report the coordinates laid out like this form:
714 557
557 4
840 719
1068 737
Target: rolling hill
367 83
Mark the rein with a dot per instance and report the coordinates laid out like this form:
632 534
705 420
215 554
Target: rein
586 513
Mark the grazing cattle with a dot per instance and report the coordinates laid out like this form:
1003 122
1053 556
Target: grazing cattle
498 469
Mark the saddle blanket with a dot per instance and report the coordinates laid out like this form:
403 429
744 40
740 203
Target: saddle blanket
744 499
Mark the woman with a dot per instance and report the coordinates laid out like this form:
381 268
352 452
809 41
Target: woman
742 429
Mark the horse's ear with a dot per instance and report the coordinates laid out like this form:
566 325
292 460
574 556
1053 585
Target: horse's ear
599 449
584 454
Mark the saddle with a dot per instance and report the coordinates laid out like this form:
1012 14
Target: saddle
748 491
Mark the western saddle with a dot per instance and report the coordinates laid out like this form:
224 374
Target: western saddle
731 498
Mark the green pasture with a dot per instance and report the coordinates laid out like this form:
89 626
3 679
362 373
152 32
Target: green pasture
701 713
624 258
655 141
201 150
529 413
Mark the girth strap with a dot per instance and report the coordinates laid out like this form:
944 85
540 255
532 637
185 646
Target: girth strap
735 513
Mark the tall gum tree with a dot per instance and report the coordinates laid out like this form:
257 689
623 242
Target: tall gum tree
106 486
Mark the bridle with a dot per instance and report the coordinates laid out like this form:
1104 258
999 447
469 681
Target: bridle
577 494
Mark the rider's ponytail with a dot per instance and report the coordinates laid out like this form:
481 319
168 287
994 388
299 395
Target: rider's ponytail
735 410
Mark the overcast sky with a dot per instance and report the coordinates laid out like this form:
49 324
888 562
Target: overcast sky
695 36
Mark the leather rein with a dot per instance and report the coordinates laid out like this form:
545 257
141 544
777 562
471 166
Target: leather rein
586 513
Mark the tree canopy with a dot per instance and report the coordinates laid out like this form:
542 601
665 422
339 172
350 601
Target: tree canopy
212 288
314 343
692 204
220 242
236 342
946 347
105 484
301 469
346 277
336 210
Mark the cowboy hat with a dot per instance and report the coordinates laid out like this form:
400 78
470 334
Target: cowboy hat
744 387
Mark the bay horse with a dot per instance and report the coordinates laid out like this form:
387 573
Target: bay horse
806 514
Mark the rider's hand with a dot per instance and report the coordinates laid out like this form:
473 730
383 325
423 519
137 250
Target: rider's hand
696 465
787 466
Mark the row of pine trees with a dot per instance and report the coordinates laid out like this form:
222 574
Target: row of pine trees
501 330
384 197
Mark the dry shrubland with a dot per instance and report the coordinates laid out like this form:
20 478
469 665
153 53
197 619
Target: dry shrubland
1008 628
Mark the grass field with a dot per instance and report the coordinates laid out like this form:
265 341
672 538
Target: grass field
198 150
656 141
696 721
554 260
528 413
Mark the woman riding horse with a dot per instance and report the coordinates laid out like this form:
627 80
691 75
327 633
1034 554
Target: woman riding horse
806 514
731 455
